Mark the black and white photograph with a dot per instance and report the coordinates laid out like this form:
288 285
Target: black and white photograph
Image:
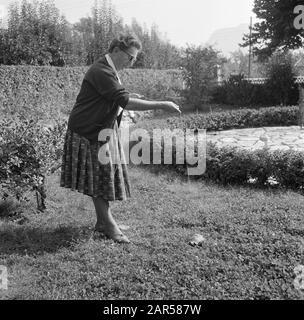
151 151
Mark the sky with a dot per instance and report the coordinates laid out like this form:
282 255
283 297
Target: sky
181 21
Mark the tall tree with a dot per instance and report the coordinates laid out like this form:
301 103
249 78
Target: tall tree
158 52
106 24
35 34
84 29
276 28
38 34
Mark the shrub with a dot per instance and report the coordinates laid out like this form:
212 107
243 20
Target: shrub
28 153
263 168
289 168
230 165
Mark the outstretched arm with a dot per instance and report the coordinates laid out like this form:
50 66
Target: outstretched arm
143 105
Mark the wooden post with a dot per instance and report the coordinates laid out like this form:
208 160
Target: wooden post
250 36
301 106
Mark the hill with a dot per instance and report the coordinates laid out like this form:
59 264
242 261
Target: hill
227 40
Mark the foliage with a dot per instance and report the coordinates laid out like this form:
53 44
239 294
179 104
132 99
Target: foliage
42 91
238 64
50 91
238 91
225 120
105 25
280 84
29 152
278 89
275 29
157 52
200 74
153 84
38 35
233 165
230 165
242 118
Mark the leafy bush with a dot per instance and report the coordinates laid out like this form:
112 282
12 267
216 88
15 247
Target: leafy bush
289 168
230 165
262 168
29 151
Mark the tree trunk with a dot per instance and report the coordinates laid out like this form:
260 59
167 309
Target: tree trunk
41 196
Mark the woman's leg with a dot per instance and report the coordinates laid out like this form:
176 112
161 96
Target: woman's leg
105 221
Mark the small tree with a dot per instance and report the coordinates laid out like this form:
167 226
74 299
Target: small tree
200 74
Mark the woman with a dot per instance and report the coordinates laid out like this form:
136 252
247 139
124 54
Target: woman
99 105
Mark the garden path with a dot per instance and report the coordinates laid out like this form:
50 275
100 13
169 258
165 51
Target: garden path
282 138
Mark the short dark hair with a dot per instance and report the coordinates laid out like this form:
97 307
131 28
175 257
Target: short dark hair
124 42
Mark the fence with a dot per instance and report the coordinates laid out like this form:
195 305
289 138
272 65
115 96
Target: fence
298 80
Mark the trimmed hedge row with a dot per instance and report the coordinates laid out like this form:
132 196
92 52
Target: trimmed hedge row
44 91
49 91
261 168
225 120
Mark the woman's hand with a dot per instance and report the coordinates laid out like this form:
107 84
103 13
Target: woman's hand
171 106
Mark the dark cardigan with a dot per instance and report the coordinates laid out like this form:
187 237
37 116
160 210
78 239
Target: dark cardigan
98 101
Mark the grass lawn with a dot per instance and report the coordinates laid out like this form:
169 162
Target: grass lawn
254 240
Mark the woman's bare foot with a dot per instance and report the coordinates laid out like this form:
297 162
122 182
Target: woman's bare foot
105 234
106 225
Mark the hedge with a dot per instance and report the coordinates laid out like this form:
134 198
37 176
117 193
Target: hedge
236 166
50 91
225 120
